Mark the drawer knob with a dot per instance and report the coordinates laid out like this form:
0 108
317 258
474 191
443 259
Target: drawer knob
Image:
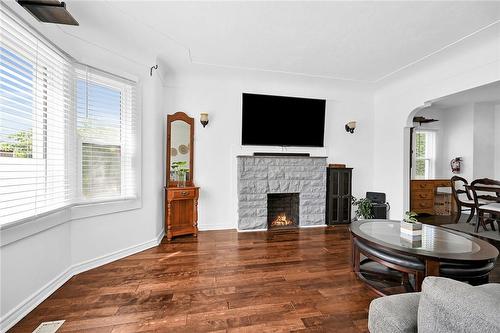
184 193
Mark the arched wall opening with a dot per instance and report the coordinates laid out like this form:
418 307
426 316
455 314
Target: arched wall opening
483 101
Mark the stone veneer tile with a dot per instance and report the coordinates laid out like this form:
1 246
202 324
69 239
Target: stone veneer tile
260 175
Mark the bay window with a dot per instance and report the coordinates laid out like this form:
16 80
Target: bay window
67 131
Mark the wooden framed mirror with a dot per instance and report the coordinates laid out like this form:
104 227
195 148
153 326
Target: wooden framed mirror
180 147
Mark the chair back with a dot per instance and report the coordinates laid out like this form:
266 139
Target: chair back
457 188
481 182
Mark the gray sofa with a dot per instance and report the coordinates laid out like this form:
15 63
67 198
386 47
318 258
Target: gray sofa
443 305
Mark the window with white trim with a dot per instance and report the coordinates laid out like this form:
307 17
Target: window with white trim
105 126
425 154
67 132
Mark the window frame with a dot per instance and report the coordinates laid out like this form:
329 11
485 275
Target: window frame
430 173
98 79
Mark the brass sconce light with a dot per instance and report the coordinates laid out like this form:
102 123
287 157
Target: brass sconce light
350 126
204 119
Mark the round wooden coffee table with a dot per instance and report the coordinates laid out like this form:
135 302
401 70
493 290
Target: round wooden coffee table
441 252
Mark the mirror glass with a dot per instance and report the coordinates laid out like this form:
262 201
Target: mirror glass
180 147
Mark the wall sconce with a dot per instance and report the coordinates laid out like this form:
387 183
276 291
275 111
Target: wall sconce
204 119
350 126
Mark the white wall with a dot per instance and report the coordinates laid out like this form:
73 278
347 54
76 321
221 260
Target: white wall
218 144
458 68
458 140
497 141
484 134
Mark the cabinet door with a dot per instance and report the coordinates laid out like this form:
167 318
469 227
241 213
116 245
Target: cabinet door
345 196
345 207
346 183
333 203
334 183
182 215
332 197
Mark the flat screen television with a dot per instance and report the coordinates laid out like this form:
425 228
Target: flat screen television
282 121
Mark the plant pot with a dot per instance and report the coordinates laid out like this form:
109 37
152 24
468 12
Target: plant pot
411 230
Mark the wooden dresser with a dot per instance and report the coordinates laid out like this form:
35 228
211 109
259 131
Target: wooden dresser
181 211
423 195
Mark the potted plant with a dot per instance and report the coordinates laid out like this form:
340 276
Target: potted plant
364 208
180 171
410 226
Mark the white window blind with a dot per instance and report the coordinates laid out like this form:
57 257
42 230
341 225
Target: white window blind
35 123
67 132
106 132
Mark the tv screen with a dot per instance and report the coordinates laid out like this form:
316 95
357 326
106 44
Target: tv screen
282 121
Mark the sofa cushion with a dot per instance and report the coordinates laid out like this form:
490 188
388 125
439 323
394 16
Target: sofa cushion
451 306
396 313
491 288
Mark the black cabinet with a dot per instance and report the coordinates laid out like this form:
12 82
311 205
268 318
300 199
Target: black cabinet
338 195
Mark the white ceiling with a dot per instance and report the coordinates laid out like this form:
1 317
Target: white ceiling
359 41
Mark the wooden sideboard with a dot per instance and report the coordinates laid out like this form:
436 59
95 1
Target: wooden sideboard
181 211
423 195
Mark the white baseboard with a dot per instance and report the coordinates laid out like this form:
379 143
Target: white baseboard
215 227
106 259
19 312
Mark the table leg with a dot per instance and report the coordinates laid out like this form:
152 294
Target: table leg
431 267
419 278
355 258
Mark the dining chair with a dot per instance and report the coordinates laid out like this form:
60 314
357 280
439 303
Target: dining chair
492 207
458 189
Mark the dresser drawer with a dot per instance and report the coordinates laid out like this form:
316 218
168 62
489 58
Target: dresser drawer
182 194
423 204
422 185
442 183
417 195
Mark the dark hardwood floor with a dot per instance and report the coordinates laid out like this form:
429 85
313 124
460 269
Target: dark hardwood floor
280 281
295 280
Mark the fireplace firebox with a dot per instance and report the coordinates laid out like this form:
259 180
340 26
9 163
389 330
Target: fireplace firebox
282 210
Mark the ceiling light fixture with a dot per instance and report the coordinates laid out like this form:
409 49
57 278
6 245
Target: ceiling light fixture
49 11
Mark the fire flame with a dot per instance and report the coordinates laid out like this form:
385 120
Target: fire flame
281 220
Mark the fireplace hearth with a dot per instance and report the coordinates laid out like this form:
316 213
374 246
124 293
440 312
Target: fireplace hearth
259 176
282 210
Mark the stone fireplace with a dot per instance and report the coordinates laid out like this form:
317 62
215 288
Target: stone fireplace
262 177
282 210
